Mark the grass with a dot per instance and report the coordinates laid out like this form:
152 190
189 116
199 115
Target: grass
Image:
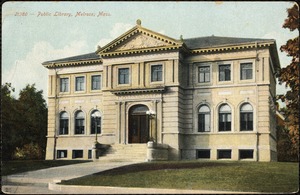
203 175
19 166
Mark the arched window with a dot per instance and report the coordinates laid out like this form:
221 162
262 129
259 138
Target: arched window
246 117
95 122
79 122
224 118
63 123
204 119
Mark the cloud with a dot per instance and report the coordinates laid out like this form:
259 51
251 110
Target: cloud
117 30
30 69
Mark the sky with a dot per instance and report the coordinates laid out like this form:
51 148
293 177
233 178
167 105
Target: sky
34 32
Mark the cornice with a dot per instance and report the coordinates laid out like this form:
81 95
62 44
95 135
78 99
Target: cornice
231 47
139 51
138 91
73 63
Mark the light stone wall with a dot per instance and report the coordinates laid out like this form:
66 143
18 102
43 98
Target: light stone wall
256 91
176 108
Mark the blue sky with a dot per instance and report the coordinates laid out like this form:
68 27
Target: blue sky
30 39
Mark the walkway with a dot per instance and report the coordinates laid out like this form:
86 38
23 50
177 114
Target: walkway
44 182
36 182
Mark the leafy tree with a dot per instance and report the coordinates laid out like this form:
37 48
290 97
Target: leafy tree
9 135
33 119
290 76
284 143
23 123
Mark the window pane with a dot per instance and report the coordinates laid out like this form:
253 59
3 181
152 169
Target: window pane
79 84
124 76
204 109
246 71
96 82
64 126
95 122
225 109
79 123
224 122
156 73
64 84
246 117
204 74
246 108
224 73
201 77
207 122
204 119
201 122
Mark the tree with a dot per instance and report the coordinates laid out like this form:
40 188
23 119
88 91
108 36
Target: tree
24 123
33 116
9 135
290 76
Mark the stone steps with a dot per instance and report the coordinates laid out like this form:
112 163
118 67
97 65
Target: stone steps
128 152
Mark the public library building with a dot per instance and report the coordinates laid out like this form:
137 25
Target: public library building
153 97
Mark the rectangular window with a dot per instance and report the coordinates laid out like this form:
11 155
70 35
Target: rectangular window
246 121
224 122
204 74
156 73
79 126
246 154
225 72
64 126
77 154
246 71
96 82
224 154
203 154
62 153
64 84
79 84
204 122
90 154
123 76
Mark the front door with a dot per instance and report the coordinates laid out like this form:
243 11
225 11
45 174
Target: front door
138 125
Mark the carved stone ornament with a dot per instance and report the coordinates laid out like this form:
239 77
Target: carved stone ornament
141 41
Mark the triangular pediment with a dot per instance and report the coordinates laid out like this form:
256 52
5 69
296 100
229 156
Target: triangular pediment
141 41
138 40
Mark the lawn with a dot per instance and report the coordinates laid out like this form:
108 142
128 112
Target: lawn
203 175
19 166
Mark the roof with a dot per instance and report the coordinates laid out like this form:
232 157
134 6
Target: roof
214 41
191 43
84 57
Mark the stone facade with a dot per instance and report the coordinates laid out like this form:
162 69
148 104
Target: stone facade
155 88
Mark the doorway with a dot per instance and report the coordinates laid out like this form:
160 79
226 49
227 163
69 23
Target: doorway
138 124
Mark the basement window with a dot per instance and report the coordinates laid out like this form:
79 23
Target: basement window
77 154
62 153
89 154
224 154
246 154
203 154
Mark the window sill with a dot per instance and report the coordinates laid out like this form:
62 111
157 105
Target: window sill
224 82
203 84
79 91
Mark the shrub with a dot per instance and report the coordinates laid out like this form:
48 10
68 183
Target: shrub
29 151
